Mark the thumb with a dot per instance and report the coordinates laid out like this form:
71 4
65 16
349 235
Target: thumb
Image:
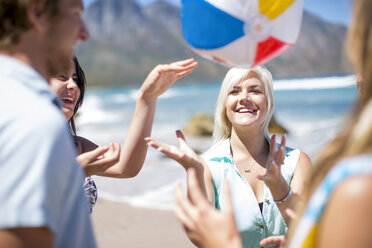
93 155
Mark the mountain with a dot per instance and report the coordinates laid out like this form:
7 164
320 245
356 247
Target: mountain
127 41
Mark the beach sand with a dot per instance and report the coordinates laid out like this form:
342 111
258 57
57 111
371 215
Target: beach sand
121 225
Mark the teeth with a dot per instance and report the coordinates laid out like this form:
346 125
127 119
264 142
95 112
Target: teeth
246 111
68 99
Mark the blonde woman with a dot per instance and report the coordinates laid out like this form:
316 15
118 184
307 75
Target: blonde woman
265 177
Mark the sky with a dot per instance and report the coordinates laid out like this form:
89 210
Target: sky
336 11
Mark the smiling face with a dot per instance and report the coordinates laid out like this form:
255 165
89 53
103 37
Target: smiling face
246 103
66 88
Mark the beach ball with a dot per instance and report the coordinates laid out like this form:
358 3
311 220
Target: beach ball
241 33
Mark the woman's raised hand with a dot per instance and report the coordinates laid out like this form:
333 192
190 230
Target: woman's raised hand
163 76
99 159
273 176
182 154
204 224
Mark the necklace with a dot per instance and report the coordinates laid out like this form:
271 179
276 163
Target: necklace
249 170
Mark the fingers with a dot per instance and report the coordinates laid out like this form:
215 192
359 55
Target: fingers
96 153
180 135
170 151
184 73
184 62
180 67
155 144
273 144
278 241
284 139
182 207
181 138
228 201
281 151
194 191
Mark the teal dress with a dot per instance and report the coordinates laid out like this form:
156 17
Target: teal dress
253 224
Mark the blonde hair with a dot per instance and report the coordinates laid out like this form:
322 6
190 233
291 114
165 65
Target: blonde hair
222 125
355 138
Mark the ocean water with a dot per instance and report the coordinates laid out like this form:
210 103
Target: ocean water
311 110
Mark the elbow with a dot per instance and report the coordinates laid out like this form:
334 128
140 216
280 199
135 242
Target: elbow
128 174
132 174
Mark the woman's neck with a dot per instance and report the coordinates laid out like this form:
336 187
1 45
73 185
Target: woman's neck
249 144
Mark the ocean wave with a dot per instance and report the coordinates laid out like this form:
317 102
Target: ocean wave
315 83
96 116
161 198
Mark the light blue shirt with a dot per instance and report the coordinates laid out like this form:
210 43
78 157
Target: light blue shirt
41 182
252 224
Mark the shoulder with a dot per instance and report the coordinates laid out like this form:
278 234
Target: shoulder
304 160
350 207
295 160
219 150
302 170
354 194
358 188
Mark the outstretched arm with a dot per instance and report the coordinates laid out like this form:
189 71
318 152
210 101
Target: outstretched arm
134 149
186 157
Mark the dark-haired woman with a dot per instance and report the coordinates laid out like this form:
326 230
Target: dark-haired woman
111 161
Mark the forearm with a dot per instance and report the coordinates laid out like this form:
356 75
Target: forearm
283 197
134 149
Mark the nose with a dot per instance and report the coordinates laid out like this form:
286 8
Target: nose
244 97
83 32
71 84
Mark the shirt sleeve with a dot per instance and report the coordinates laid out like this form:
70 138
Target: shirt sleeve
35 158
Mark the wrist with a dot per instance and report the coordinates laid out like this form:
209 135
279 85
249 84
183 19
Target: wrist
285 198
278 188
146 98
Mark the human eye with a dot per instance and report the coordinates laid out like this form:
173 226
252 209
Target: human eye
63 78
75 78
256 90
234 90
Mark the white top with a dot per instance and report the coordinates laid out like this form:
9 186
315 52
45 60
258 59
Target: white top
252 224
41 182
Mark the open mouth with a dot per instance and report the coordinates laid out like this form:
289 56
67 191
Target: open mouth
246 111
68 100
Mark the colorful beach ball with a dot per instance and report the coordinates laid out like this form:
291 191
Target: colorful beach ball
241 33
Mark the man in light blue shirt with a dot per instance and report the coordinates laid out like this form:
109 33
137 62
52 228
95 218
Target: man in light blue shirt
42 203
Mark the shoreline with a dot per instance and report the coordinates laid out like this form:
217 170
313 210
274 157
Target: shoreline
122 225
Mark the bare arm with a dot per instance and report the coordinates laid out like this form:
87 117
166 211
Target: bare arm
134 149
209 227
346 221
186 157
275 181
26 237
